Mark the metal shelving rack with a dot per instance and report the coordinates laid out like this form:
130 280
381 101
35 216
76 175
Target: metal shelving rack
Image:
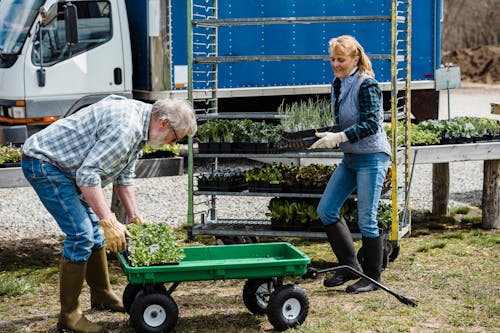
203 23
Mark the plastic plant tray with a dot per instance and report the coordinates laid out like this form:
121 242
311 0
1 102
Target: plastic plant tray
221 262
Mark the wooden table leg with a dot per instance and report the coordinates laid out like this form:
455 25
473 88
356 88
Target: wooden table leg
491 194
440 188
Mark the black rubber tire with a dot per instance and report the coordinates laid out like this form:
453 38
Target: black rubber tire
154 313
231 240
256 295
288 307
133 290
394 253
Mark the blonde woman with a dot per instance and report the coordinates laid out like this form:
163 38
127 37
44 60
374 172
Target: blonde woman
357 100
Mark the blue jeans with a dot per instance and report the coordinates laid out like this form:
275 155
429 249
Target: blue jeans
59 194
364 172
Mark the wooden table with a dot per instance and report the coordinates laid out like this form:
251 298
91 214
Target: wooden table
441 155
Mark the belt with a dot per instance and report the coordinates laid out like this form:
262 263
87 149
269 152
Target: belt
24 157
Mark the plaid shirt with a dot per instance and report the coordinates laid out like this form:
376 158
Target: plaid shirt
97 145
370 97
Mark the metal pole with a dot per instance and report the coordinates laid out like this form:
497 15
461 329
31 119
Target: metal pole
190 212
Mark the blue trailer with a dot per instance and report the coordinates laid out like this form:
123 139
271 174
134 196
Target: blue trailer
140 49
242 86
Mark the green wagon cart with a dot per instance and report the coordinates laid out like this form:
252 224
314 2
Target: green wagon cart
264 266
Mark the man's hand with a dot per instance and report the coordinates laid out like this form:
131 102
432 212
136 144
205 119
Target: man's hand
114 233
136 220
328 140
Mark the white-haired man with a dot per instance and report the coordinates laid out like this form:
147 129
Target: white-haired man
69 162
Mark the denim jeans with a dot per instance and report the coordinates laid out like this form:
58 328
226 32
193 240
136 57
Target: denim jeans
364 172
59 194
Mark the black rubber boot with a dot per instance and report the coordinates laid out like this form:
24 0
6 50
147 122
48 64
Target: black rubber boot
342 245
372 265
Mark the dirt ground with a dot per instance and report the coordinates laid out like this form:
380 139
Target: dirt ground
479 65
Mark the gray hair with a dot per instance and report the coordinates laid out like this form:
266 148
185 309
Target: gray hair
178 111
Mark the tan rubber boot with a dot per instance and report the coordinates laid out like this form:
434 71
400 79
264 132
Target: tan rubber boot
102 296
71 277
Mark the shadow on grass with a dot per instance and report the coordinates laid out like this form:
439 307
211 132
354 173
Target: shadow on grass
235 322
29 253
424 223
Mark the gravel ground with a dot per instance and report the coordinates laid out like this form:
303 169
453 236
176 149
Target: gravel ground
165 199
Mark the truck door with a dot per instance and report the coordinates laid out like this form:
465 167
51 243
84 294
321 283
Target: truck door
74 73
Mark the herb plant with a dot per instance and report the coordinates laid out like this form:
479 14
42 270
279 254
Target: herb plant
10 154
153 244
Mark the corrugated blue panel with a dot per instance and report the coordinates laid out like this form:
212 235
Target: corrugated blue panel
304 39
179 34
137 20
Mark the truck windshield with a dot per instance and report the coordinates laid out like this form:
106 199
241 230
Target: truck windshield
16 18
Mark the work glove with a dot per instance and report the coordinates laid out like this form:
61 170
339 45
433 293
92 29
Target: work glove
114 233
136 220
328 140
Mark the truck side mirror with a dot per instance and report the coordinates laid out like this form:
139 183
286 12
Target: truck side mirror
71 23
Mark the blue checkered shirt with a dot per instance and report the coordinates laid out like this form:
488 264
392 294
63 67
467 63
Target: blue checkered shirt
98 145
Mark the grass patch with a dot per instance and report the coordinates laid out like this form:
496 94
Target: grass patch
462 210
451 272
12 285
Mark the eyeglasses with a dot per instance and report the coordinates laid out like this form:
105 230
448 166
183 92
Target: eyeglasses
175 134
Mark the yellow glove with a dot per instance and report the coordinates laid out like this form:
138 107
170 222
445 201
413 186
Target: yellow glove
114 233
136 220
328 140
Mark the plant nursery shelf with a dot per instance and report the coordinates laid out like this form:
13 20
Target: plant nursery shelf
145 168
261 194
260 228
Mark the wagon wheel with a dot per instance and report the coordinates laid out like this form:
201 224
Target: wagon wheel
154 313
230 240
288 307
394 253
256 293
133 290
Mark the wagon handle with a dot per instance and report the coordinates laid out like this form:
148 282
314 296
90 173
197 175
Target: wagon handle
312 273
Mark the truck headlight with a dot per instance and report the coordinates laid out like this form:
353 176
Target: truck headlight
16 111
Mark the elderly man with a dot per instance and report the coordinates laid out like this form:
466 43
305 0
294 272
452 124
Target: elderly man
68 164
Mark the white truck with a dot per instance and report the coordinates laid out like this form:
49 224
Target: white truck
58 56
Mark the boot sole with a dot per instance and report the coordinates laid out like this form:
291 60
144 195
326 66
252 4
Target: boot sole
350 290
329 285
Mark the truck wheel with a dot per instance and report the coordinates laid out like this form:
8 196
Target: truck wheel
288 307
256 293
154 313
133 290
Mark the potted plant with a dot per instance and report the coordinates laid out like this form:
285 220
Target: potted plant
163 151
10 156
153 244
300 121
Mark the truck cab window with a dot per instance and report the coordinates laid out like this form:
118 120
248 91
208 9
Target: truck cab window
94 29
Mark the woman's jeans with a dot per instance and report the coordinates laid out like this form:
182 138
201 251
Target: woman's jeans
364 172
59 195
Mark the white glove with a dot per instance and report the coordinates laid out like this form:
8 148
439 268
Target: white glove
329 140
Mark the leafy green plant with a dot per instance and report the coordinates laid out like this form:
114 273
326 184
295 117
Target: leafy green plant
293 210
174 149
153 244
304 115
10 154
